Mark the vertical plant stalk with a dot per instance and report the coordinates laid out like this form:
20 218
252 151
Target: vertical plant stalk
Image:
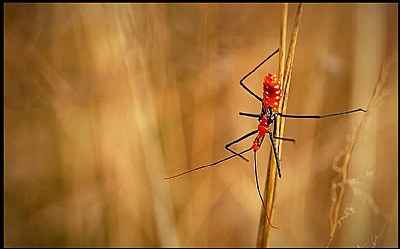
282 43
284 76
342 177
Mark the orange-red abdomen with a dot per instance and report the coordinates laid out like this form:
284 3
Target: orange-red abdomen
272 93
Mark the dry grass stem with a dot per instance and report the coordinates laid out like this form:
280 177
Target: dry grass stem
342 177
282 44
271 180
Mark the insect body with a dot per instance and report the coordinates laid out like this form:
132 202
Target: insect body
272 95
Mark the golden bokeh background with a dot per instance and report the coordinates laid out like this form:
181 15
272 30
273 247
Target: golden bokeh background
102 101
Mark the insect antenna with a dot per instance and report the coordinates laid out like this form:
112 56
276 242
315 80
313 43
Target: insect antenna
209 165
258 189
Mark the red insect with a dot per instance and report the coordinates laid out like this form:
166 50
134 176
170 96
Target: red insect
272 95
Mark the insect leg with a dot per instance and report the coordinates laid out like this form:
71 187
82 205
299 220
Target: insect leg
283 138
238 140
271 137
252 115
320 116
252 71
286 139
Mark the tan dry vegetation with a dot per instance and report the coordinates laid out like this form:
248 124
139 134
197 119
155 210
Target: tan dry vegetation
104 100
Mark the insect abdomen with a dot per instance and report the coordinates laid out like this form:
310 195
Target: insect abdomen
272 92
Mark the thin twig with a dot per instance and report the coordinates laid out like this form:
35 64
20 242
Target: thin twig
342 177
271 180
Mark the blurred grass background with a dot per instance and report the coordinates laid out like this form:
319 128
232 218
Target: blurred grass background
101 101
